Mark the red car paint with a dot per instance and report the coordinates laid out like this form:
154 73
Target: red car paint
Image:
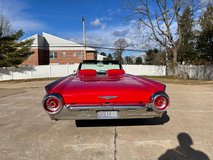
86 88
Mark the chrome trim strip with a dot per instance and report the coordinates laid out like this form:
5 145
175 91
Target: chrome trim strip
79 108
86 112
108 97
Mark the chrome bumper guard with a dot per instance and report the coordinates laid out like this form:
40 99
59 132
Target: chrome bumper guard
90 112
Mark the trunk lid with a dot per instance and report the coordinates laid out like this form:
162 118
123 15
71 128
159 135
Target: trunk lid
105 90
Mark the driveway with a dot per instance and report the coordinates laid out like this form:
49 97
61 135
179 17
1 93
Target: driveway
26 131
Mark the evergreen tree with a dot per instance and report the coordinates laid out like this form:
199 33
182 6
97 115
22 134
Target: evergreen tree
205 38
138 60
187 52
12 52
128 60
110 56
150 56
155 57
103 53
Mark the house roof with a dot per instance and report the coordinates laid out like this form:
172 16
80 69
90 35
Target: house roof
100 57
55 43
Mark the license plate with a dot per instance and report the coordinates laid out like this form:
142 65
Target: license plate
107 114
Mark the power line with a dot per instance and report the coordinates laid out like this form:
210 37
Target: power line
111 48
96 47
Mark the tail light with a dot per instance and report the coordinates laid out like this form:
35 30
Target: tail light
160 101
53 103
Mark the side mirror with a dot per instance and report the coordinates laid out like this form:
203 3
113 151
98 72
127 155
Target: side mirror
74 71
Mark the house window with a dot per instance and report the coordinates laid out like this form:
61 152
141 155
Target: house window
74 54
64 54
53 54
79 55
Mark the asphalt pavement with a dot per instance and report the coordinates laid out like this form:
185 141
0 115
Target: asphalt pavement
27 133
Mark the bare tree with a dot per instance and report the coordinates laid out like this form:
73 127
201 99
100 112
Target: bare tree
120 46
160 16
5 26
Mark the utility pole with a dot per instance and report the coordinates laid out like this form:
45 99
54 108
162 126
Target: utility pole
84 38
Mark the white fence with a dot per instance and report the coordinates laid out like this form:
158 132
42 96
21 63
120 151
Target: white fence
202 72
148 70
45 71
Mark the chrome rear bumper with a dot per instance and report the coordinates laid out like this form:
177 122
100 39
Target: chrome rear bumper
90 112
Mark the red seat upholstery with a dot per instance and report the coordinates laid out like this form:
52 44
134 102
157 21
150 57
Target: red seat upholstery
87 72
115 72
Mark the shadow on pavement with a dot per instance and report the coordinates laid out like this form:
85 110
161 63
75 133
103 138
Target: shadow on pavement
184 151
123 122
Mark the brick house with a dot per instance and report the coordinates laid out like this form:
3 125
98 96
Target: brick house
49 49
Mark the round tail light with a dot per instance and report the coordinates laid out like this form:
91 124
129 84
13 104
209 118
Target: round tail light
160 101
52 103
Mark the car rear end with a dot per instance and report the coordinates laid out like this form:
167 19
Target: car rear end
112 95
54 105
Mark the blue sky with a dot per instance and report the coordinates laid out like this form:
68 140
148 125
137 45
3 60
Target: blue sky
64 17
104 20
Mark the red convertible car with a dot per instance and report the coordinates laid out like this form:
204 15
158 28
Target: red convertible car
102 90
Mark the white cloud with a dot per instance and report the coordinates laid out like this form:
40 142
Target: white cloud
97 22
107 36
27 25
138 39
129 32
14 11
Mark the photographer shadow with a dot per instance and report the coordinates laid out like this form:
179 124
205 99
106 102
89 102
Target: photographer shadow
184 151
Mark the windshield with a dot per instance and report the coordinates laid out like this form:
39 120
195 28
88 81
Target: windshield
100 67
